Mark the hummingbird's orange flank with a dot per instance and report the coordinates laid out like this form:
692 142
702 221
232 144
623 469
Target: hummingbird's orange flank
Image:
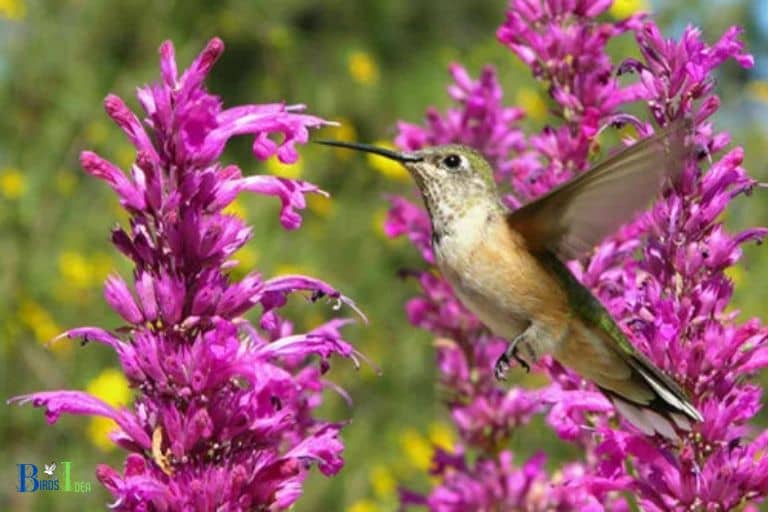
507 266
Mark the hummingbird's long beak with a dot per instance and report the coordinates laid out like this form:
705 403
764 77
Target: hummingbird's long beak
367 148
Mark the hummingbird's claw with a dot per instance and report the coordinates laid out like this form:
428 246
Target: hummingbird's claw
502 363
501 367
521 361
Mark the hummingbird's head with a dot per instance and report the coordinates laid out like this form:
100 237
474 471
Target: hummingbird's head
452 178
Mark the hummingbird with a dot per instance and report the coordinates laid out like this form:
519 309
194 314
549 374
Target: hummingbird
507 266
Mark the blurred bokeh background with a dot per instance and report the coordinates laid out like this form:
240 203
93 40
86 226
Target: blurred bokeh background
365 64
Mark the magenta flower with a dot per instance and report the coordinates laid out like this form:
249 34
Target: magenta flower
491 482
223 417
661 276
673 298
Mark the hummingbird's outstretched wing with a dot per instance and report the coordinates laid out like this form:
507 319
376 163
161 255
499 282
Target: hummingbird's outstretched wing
571 220
574 217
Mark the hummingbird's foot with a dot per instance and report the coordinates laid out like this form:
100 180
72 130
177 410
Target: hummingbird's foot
501 367
502 363
522 362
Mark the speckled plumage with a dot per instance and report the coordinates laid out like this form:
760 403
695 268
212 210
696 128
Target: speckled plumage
451 198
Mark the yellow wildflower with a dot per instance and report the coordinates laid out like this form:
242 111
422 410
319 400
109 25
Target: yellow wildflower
442 435
13 9
237 209
377 223
76 270
625 8
389 168
416 448
534 105
735 274
345 130
35 317
112 387
12 183
278 168
320 205
364 505
99 429
362 68
382 481
247 257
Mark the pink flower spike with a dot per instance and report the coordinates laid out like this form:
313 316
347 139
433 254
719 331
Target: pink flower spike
182 350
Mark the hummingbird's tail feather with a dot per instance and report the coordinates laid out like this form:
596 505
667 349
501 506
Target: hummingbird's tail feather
648 421
663 414
642 393
668 410
667 390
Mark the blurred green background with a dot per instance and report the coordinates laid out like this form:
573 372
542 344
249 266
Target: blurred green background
365 64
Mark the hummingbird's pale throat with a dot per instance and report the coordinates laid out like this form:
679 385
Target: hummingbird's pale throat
449 185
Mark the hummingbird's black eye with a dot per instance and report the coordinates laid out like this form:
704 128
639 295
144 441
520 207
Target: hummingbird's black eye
452 161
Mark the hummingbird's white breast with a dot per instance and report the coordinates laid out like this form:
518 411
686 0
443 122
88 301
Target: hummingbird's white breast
496 278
